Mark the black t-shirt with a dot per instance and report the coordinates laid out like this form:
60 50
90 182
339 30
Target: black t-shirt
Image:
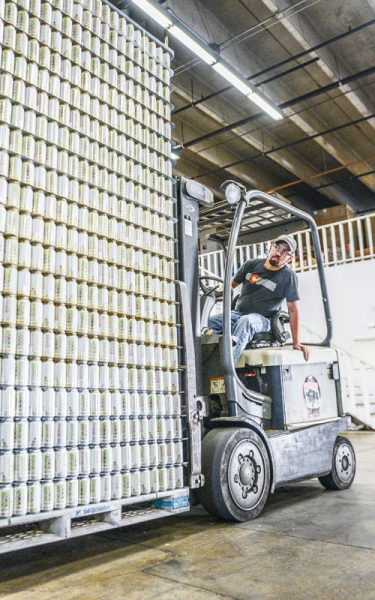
264 291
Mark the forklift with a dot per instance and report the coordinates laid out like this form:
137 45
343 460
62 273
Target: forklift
273 418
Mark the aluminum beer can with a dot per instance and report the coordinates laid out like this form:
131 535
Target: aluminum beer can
72 403
105 487
145 455
95 459
160 404
33 497
48 463
143 429
61 462
177 428
116 458
115 436
95 489
169 428
152 429
6 500
48 433
105 431
154 480
161 428
134 430
60 433
7 428
94 426
162 479
7 403
20 466
6 467
42 403
179 476
72 432
145 481
83 432
178 452
21 430
94 403
84 461
35 467
153 455
106 459
19 499
170 453
125 457
73 462
162 453
135 483
47 495
84 403
135 456
59 493
72 492
116 486
125 484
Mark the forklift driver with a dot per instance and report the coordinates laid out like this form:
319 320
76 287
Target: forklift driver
266 284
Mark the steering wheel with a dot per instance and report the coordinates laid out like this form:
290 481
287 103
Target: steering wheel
208 291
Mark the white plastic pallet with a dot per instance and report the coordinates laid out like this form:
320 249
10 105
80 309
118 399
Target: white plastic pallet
58 525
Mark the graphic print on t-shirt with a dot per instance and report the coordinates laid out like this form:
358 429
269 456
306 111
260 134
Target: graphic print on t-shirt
258 280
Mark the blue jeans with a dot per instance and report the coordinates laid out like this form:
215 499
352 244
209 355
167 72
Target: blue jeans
243 327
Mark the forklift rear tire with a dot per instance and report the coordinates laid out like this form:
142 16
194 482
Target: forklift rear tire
343 466
236 468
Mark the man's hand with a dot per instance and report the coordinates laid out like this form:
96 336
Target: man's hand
304 349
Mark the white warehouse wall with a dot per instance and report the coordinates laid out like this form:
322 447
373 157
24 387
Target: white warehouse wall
351 289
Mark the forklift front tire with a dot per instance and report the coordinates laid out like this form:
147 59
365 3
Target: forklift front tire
236 468
343 466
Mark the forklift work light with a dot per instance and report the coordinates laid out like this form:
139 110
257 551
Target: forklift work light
233 193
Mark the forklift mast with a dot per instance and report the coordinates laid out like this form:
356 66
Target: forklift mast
190 195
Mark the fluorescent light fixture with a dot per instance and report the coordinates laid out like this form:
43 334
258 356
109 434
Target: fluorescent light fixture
190 43
174 156
152 11
266 106
202 50
232 78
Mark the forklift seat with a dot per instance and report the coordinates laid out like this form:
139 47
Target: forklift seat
278 336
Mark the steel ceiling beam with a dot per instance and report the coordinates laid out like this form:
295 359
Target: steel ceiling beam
332 40
289 103
288 145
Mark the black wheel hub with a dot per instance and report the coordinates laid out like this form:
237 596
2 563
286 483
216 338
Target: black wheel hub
345 463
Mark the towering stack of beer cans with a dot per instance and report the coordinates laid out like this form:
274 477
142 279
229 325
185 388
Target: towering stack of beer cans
90 406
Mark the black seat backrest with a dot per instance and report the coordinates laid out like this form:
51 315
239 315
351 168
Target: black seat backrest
278 336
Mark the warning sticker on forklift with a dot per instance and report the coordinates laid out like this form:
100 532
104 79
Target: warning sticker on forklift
217 385
312 395
188 227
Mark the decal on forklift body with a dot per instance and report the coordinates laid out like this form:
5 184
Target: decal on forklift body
311 393
188 226
217 385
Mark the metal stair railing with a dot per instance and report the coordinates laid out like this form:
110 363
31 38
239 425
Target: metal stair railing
342 242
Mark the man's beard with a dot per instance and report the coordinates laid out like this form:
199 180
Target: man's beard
274 262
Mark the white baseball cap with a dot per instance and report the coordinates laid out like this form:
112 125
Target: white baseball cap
288 239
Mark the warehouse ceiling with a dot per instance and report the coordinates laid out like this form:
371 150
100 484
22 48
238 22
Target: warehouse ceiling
315 59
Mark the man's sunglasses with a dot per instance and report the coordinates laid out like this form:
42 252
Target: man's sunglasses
282 251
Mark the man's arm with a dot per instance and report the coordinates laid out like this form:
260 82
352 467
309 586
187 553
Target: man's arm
234 283
294 327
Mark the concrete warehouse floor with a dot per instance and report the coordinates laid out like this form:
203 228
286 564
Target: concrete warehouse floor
308 543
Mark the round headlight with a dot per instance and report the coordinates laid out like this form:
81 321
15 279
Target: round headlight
232 193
